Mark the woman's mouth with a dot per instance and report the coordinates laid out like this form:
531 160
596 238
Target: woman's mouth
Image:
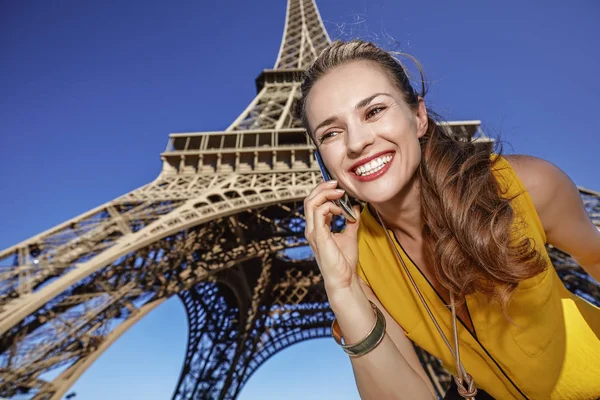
374 168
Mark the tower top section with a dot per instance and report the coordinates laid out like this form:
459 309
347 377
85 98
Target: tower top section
304 36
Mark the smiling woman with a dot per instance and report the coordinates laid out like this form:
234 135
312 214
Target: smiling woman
467 261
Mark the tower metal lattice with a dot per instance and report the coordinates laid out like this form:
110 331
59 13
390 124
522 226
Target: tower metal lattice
217 228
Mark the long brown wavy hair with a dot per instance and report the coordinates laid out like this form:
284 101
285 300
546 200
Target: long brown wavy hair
468 222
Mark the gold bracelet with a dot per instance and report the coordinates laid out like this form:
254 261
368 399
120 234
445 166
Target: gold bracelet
366 344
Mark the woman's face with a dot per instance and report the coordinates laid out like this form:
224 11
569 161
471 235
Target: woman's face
367 135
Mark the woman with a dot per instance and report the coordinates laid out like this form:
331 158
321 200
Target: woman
469 226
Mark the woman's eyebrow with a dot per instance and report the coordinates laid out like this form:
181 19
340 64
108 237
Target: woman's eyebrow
365 102
326 122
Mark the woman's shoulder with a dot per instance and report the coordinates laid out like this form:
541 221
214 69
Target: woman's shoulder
519 179
558 203
540 178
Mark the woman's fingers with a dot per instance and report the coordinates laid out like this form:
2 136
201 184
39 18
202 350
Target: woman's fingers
352 227
324 192
322 229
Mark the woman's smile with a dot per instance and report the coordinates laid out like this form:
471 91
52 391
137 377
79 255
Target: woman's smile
372 167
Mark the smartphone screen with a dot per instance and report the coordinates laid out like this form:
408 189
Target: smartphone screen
344 201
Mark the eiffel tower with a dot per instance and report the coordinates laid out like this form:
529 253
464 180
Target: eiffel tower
221 227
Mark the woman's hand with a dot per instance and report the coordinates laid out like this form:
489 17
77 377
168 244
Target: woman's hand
336 253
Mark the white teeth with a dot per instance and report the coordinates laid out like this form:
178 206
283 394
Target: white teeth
372 166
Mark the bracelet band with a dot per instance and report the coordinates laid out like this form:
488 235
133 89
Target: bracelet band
366 344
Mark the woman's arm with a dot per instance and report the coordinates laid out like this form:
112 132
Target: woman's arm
384 372
392 370
561 211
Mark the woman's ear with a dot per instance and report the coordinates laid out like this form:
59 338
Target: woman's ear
422 119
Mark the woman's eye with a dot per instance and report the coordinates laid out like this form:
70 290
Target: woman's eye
328 135
374 111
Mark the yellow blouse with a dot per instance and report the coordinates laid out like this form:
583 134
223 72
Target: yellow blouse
551 351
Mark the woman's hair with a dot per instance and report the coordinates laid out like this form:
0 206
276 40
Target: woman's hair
468 232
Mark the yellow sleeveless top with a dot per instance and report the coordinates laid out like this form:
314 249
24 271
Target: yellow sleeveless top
552 351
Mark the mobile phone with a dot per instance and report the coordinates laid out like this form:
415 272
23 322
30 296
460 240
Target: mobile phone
344 201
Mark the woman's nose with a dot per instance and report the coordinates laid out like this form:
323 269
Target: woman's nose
358 137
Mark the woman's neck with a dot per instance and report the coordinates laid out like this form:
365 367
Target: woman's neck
403 213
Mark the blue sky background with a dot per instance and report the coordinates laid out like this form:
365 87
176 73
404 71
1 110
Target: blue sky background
89 92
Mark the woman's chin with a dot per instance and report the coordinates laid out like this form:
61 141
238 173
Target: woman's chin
377 198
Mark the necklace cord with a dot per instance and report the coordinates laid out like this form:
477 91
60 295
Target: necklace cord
462 378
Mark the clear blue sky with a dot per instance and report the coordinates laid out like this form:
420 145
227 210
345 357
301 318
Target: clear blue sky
89 92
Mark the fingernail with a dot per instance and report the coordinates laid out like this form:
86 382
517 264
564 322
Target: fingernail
332 182
339 190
